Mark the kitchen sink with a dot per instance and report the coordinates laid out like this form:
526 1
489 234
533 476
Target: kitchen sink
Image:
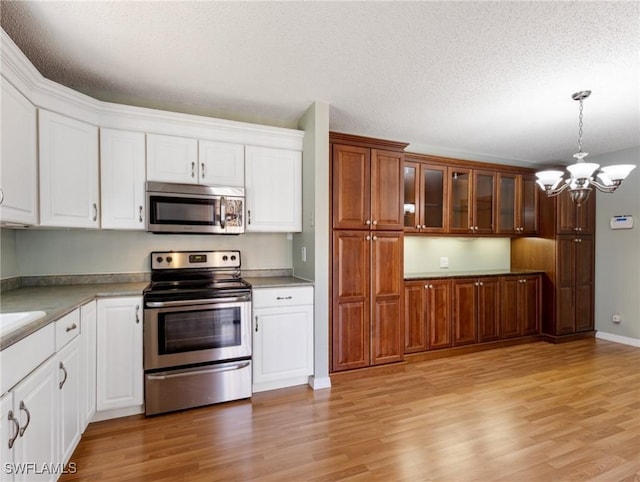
11 321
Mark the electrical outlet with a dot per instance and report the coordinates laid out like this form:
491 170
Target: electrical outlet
616 318
444 262
303 254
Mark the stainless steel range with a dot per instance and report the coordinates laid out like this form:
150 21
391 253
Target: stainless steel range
197 330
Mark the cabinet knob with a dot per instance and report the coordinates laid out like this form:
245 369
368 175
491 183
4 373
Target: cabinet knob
418 226
426 286
375 222
481 283
367 237
424 226
430 287
375 238
367 222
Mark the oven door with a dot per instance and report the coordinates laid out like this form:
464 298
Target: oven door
195 333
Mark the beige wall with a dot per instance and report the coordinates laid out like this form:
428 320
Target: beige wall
422 254
48 252
618 252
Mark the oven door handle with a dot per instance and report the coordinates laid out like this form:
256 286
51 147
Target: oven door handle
196 371
165 304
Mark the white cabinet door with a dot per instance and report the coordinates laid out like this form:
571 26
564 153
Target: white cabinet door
68 172
119 353
273 183
122 169
282 340
172 159
36 400
221 164
9 433
18 164
88 319
69 361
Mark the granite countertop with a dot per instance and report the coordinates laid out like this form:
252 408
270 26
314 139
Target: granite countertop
56 301
468 274
276 281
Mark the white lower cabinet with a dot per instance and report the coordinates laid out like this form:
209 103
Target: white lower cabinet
88 320
36 405
119 383
68 362
282 337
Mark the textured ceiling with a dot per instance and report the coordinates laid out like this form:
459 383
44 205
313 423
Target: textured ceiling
489 79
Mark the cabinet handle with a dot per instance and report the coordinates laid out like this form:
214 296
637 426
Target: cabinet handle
193 170
367 222
202 166
24 408
64 370
256 323
137 314
72 327
140 213
283 297
95 211
249 216
2 199
13 419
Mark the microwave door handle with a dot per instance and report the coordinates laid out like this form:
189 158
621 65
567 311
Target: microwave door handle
223 212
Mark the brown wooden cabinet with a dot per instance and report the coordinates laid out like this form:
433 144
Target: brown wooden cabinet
428 315
367 327
574 219
476 310
517 204
425 198
521 304
565 251
472 196
367 186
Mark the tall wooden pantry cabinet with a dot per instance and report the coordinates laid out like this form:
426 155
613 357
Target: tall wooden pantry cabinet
367 326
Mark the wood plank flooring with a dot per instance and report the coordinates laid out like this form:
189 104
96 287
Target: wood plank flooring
535 412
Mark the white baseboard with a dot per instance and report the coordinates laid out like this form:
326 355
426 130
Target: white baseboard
625 340
318 383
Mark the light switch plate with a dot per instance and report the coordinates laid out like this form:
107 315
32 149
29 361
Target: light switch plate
444 262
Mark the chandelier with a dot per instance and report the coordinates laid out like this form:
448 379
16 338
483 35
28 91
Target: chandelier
581 174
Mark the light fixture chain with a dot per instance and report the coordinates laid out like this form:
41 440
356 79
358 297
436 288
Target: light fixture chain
580 129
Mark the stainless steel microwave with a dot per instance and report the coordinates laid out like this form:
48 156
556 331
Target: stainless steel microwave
187 208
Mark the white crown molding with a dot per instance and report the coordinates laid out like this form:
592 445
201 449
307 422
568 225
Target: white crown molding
46 94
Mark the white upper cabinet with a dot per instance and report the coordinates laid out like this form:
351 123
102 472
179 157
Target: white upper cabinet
18 165
122 178
221 164
68 172
193 161
172 159
273 183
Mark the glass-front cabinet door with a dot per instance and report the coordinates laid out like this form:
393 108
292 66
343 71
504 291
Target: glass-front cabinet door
425 196
434 194
529 193
459 180
484 195
507 203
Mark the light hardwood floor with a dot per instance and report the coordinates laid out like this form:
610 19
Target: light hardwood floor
535 412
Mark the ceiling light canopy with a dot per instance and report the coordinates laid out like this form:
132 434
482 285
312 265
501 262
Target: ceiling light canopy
581 174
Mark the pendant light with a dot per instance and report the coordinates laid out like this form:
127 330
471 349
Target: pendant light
581 177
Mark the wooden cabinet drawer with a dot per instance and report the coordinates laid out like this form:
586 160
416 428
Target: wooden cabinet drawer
67 328
270 297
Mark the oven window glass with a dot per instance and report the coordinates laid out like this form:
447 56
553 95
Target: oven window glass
187 331
197 212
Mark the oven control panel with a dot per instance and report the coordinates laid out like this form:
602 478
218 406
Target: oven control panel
194 259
